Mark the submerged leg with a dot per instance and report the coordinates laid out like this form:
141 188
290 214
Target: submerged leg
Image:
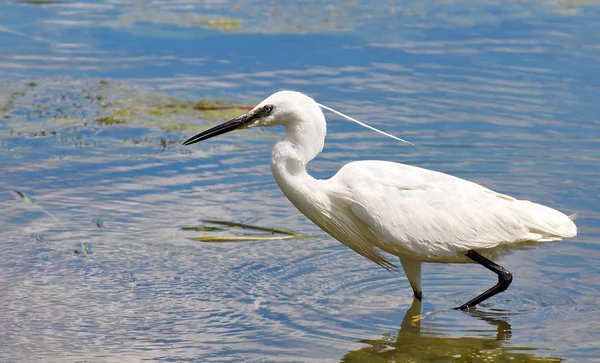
412 269
504 279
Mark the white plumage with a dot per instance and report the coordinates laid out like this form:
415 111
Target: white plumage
416 214
434 216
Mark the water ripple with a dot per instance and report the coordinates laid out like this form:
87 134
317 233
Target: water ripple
503 95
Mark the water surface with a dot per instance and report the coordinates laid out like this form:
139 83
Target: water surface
501 94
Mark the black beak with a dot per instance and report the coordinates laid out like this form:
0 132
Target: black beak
223 128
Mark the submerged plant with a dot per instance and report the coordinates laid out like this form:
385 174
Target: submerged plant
273 234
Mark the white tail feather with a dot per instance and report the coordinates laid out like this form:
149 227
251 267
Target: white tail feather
364 124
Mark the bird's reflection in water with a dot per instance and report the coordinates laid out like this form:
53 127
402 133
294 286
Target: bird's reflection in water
414 344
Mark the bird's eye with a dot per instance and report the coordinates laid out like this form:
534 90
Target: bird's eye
268 109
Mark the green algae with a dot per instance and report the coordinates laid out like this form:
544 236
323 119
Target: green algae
173 115
223 24
68 112
41 2
109 120
221 115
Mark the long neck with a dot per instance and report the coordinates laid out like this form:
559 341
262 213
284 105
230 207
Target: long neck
303 141
306 135
300 145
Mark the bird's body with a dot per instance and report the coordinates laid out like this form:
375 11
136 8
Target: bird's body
422 214
416 214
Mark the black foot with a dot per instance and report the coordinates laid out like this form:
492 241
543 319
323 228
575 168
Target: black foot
504 280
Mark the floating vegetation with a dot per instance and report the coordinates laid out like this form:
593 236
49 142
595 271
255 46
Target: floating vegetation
249 226
179 126
117 116
24 196
157 112
224 24
246 238
40 2
109 120
202 228
85 249
164 16
70 113
27 199
273 235
222 114
165 115
209 104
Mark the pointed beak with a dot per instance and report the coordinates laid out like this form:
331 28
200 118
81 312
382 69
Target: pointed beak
230 125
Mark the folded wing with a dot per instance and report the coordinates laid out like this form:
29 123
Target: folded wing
413 211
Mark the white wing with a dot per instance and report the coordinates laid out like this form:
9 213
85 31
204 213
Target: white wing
413 211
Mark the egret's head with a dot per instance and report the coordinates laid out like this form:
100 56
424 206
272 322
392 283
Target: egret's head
287 108
280 108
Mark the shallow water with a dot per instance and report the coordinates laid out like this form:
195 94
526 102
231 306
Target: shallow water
501 94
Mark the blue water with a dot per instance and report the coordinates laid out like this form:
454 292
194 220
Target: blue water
504 94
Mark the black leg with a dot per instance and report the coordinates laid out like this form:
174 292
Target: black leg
504 280
418 295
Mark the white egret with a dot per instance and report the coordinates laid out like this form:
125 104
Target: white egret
416 214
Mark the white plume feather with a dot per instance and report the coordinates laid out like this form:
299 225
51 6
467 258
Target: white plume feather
364 124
